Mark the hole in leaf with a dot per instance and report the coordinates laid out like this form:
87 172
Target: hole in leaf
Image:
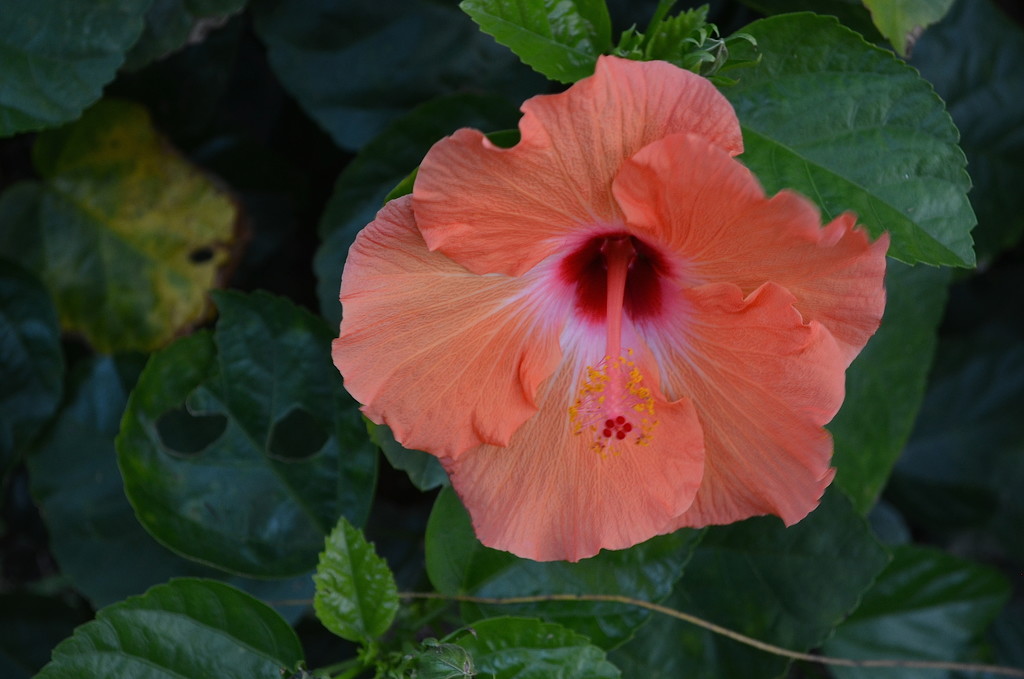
296 436
186 433
200 255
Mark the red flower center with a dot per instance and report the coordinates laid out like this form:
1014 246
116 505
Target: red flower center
588 268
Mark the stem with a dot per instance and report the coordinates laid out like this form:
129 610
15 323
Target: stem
352 673
345 668
728 633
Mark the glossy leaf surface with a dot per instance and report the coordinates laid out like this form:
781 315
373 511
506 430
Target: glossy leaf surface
559 39
91 525
926 605
851 13
853 128
523 648
786 586
186 628
356 596
443 661
239 448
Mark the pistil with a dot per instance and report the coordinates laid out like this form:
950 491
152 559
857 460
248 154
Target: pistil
613 406
618 254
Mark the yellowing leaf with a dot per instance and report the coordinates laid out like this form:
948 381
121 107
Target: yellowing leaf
127 234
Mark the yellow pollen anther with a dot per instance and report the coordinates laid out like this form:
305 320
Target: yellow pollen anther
612 406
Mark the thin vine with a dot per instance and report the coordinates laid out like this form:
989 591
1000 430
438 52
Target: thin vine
725 632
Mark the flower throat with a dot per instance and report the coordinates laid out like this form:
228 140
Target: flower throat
613 406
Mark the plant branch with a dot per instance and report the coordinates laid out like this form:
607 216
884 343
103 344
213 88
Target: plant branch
725 632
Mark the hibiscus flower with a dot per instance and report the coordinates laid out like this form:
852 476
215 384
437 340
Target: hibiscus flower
608 332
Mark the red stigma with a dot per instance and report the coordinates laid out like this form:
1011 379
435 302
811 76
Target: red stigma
616 428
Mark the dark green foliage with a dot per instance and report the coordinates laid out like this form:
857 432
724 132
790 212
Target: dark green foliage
185 486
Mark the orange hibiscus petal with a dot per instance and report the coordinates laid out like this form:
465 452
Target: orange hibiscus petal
711 211
550 496
504 210
446 358
764 383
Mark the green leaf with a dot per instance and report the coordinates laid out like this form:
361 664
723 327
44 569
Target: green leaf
128 236
173 24
394 55
458 564
57 56
356 595
559 39
853 128
926 605
363 186
443 661
851 13
31 360
524 648
186 628
973 59
89 522
241 449
964 466
886 384
902 21
786 586
423 469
